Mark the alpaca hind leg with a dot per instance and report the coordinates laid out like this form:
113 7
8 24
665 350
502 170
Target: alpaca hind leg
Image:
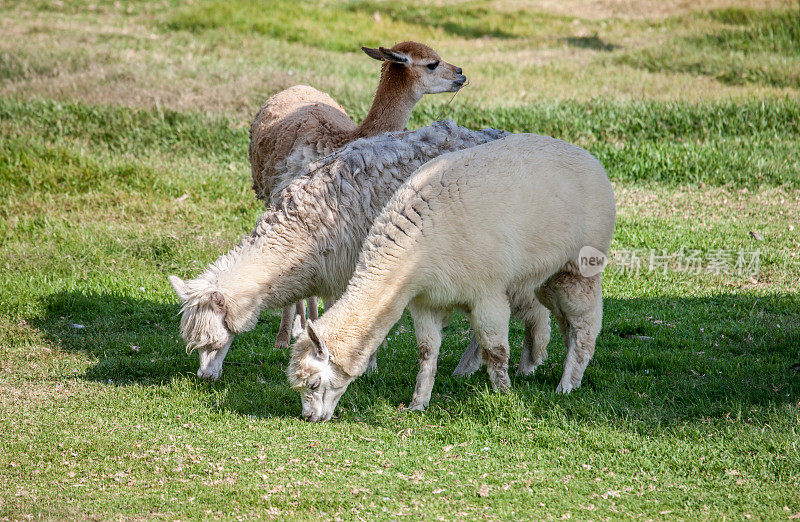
285 329
312 304
428 330
489 319
581 310
537 337
299 319
471 359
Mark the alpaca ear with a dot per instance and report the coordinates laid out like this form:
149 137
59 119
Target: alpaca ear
320 349
373 53
218 301
394 56
179 285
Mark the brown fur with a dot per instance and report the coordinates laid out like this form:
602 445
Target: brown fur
290 119
302 116
301 124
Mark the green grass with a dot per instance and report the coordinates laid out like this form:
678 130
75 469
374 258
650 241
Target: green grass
349 25
741 145
749 30
748 47
123 159
674 425
718 143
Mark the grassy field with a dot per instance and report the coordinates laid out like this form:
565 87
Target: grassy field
123 158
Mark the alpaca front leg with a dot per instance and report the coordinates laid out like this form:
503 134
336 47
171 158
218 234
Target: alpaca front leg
428 329
285 329
490 319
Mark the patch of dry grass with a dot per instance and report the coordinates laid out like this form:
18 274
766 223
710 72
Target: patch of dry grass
111 57
767 204
633 9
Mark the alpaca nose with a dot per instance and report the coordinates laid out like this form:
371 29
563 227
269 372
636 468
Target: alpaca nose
458 70
307 416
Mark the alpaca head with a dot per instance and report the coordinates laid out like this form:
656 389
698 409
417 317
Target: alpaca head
418 68
319 380
203 325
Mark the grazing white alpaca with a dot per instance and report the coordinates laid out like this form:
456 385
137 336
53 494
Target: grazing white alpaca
301 124
307 243
488 230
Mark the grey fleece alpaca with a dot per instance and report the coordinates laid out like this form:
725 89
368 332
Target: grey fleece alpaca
308 244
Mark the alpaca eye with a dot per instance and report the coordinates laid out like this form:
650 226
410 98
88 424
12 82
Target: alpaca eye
314 385
432 66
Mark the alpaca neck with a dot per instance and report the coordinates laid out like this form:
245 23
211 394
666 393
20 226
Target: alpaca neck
264 274
394 100
358 323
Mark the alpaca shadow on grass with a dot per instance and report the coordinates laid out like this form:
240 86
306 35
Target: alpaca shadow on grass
136 341
659 360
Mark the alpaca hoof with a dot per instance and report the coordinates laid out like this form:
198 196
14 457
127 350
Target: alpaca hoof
281 342
526 371
415 406
501 383
209 375
565 388
502 387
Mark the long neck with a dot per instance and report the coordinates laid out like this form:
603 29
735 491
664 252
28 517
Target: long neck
393 103
359 322
266 272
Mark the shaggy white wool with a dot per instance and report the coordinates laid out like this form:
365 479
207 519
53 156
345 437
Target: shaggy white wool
308 242
494 229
